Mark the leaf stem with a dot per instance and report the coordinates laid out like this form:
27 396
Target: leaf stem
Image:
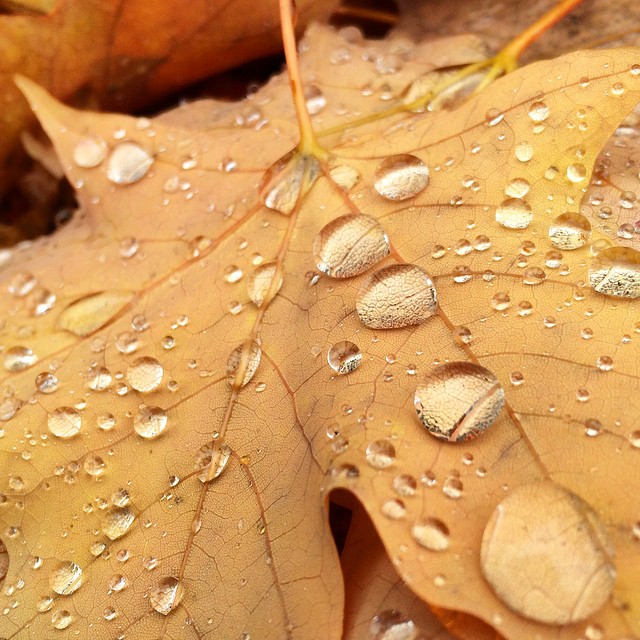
308 144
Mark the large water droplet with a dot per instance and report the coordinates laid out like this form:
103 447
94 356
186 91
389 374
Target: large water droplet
287 180
167 595
212 460
344 357
145 374
547 555
117 521
576 172
397 296
569 231
65 577
458 401
19 358
150 422
514 213
538 111
88 314
64 422
61 619
380 454
392 625
128 163
401 177
90 152
264 282
243 362
431 533
350 245
616 272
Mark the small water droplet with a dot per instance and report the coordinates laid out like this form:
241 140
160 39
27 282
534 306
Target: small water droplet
501 301
145 374
344 357
350 245
65 577
165 597
538 111
524 151
46 382
397 296
528 535
212 460
431 533
517 188
458 401
61 619
150 422
89 152
615 271
64 422
94 465
242 363
232 273
394 509
128 163
315 99
392 625
19 358
264 282
401 177
405 484
21 284
514 213
576 172
380 454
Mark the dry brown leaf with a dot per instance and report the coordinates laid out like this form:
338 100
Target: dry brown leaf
250 552
126 54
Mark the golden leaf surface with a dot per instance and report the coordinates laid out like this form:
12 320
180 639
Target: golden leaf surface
171 480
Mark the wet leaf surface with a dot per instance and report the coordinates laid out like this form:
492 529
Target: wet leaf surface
210 426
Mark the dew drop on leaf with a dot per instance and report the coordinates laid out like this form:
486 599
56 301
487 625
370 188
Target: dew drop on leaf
21 284
524 151
61 619
517 188
19 358
165 597
243 362
212 460
90 152
576 172
344 357
397 296
431 533
344 176
117 521
145 374
380 454
264 282
349 245
65 577
401 177
405 485
394 509
64 422
569 231
150 422
94 465
392 625
458 401
615 271
128 163
514 213
524 555
46 382
88 314
316 100
538 111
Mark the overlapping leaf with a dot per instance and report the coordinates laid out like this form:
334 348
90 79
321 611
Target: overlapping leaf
251 550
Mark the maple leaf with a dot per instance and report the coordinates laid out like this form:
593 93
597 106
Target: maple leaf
125 55
173 424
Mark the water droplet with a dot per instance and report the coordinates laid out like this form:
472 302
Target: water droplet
99 378
64 422
401 177
501 301
524 151
117 521
394 509
344 357
453 487
40 301
458 401
90 152
150 422
514 213
242 363
431 533
569 231
264 282
528 535
167 595
350 245
604 363
127 342
392 625
106 421
315 99
533 276
287 180
145 374
212 460
380 454
344 176
517 188
19 358
128 163
397 296
538 111
576 172
91 312
405 485
21 284
61 619
65 577
94 465
616 272
46 382
232 273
